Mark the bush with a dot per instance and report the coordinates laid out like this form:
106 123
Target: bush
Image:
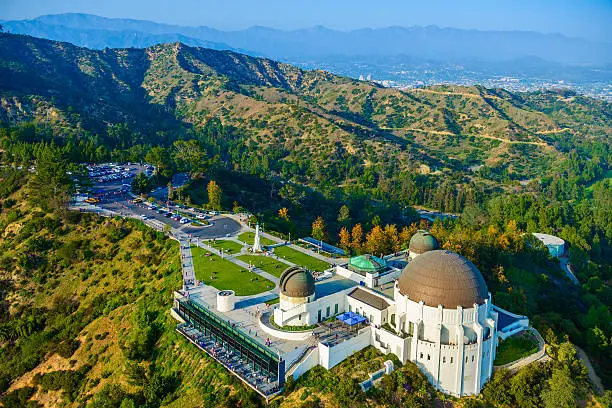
19 397
67 348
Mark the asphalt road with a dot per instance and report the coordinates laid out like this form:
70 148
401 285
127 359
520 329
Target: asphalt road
113 199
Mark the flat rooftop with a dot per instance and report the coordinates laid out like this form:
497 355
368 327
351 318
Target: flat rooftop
333 285
245 315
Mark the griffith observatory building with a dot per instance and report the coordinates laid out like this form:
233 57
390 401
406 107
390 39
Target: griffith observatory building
425 305
439 314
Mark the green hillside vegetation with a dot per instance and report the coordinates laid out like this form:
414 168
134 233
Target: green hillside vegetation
84 300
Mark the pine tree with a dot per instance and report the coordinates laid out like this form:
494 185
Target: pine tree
344 216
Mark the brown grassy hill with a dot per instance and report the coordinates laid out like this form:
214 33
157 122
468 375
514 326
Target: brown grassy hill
305 115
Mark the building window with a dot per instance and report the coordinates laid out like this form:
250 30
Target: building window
336 308
428 357
299 317
327 311
421 355
444 360
466 359
451 360
472 359
350 308
371 318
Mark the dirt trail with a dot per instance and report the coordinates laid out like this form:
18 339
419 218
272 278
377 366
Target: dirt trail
592 374
445 133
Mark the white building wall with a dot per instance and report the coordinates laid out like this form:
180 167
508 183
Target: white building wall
329 357
348 274
312 308
437 345
311 361
387 342
374 315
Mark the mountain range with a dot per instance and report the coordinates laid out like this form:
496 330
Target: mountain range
318 43
294 120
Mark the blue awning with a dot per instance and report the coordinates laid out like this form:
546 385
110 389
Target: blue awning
351 318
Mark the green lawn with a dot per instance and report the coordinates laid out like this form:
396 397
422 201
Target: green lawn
267 263
301 259
227 246
249 238
514 348
227 274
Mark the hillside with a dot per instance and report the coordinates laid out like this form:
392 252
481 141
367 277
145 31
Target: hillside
85 322
295 117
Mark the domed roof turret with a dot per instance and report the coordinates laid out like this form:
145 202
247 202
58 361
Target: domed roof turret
367 263
422 242
443 278
297 282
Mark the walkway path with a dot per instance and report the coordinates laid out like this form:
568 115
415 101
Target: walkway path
315 254
187 261
567 268
595 380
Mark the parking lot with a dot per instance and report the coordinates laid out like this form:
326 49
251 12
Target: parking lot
111 185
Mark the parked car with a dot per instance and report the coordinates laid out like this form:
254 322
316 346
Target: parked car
185 220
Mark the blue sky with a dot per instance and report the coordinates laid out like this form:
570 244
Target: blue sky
590 19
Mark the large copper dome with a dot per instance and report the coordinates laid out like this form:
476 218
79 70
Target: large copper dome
297 282
443 278
422 242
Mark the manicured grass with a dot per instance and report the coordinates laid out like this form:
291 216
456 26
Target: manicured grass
227 246
249 238
266 263
227 274
514 348
301 259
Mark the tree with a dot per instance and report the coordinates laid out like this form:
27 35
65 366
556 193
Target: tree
190 157
284 214
356 238
561 390
344 216
497 391
376 241
160 158
50 185
170 191
345 240
292 194
214 195
318 229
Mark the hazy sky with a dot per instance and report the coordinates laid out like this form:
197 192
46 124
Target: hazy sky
578 18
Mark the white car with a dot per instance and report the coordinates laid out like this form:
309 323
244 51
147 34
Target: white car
200 217
185 220
144 217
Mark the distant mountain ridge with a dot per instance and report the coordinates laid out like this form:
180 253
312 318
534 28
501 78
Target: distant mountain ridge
434 43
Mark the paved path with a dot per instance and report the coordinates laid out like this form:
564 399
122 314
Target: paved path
595 380
187 261
317 255
567 268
